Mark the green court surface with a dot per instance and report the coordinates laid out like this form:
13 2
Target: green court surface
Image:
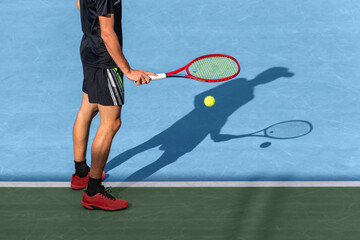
184 213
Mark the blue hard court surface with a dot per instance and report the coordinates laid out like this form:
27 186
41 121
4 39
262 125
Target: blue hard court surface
166 129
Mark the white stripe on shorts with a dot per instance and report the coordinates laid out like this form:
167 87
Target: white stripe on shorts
112 93
113 84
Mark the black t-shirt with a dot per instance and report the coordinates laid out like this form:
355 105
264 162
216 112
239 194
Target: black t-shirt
92 50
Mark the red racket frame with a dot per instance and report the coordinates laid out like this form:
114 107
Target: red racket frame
169 74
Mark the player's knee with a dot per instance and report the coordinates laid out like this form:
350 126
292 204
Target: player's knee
111 127
117 125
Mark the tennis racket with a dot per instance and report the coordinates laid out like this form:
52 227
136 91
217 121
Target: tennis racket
208 68
283 130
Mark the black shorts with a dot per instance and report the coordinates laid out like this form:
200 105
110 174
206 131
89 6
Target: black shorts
104 86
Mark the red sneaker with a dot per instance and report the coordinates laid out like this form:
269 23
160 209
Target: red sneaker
103 200
78 183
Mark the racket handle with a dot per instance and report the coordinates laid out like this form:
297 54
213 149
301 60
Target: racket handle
159 76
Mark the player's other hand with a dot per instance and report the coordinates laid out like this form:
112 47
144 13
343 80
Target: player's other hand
139 76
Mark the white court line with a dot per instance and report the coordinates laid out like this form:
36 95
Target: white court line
197 184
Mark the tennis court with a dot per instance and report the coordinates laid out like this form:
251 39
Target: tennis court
299 62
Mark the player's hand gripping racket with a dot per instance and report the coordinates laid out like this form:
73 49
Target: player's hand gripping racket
208 68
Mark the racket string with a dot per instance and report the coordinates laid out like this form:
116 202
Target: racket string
214 68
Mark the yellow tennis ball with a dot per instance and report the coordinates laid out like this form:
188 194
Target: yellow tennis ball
209 101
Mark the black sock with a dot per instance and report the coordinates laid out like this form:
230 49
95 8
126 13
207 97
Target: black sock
81 169
93 186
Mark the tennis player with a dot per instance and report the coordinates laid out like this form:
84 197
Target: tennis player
103 91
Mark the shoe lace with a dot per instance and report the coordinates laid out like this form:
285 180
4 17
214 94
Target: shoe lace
106 192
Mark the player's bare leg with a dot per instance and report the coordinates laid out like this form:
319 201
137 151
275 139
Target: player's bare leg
110 122
96 196
87 112
82 126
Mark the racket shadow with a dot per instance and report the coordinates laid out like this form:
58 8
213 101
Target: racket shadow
281 131
188 132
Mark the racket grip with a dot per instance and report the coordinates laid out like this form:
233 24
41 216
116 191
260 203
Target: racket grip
159 76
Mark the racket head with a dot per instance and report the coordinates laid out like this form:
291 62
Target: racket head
213 68
288 129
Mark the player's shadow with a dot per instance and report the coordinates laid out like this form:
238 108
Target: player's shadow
188 132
